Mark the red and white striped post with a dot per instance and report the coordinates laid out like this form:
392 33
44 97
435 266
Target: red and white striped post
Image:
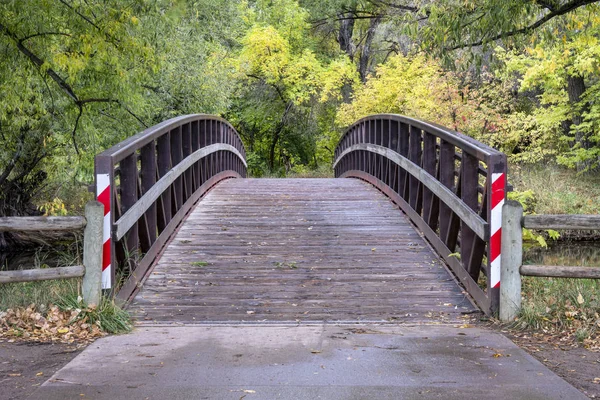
497 196
103 191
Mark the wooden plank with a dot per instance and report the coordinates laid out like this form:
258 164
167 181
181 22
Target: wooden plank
560 271
562 221
37 224
298 249
44 274
438 244
134 281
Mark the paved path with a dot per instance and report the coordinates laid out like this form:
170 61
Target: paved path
311 250
306 362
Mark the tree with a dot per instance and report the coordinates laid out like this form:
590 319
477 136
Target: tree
283 84
565 72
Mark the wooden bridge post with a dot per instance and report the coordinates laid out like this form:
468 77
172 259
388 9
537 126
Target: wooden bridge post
92 253
512 258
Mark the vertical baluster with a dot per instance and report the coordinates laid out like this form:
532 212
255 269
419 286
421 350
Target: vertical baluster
429 165
204 132
365 139
446 167
403 150
164 166
469 182
394 145
385 141
148 231
186 147
415 157
176 156
196 146
129 196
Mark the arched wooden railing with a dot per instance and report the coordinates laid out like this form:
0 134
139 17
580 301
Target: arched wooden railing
149 182
451 186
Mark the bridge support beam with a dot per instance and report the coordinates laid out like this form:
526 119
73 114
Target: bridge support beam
512 258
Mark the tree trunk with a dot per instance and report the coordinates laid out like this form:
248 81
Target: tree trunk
365 54
575 89
345 34
273 146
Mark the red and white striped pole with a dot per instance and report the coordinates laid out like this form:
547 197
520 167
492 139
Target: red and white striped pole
498 193
103 193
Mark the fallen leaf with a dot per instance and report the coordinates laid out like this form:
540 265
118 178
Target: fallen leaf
39 374
580 299
315 351
248 391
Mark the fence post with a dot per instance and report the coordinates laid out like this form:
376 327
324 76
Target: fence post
92 252
511 261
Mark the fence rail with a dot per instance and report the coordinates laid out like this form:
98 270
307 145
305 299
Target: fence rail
90 271
148 184
451 186
512 261
37 224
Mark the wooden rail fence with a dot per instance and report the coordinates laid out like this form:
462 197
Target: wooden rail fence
512 260
451 186
90 271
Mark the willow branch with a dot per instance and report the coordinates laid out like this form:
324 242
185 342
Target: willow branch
564 9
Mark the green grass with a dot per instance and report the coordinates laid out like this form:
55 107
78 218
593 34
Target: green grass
558 306
43 293
110 317
558 190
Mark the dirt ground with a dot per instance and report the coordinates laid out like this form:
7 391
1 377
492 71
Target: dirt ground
577 365
25 366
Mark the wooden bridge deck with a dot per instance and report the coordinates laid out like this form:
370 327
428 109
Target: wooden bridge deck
285 250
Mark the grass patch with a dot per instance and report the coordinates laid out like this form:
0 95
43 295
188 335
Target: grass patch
566 310
109 316
43 293
557 190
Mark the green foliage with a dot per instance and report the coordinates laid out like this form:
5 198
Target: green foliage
565 124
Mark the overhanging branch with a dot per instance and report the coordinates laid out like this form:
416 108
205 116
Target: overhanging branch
562 10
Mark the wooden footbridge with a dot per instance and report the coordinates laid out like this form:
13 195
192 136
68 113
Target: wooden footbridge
412 236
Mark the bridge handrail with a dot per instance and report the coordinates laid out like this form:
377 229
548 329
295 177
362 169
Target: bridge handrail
466 214
450 185
464 142
131 216
150 181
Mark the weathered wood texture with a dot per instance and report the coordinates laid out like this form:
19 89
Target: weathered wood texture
32 275
444 182
561 271
37 224
285 250
562 221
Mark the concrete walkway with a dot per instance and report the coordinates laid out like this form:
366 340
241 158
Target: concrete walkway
306 362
